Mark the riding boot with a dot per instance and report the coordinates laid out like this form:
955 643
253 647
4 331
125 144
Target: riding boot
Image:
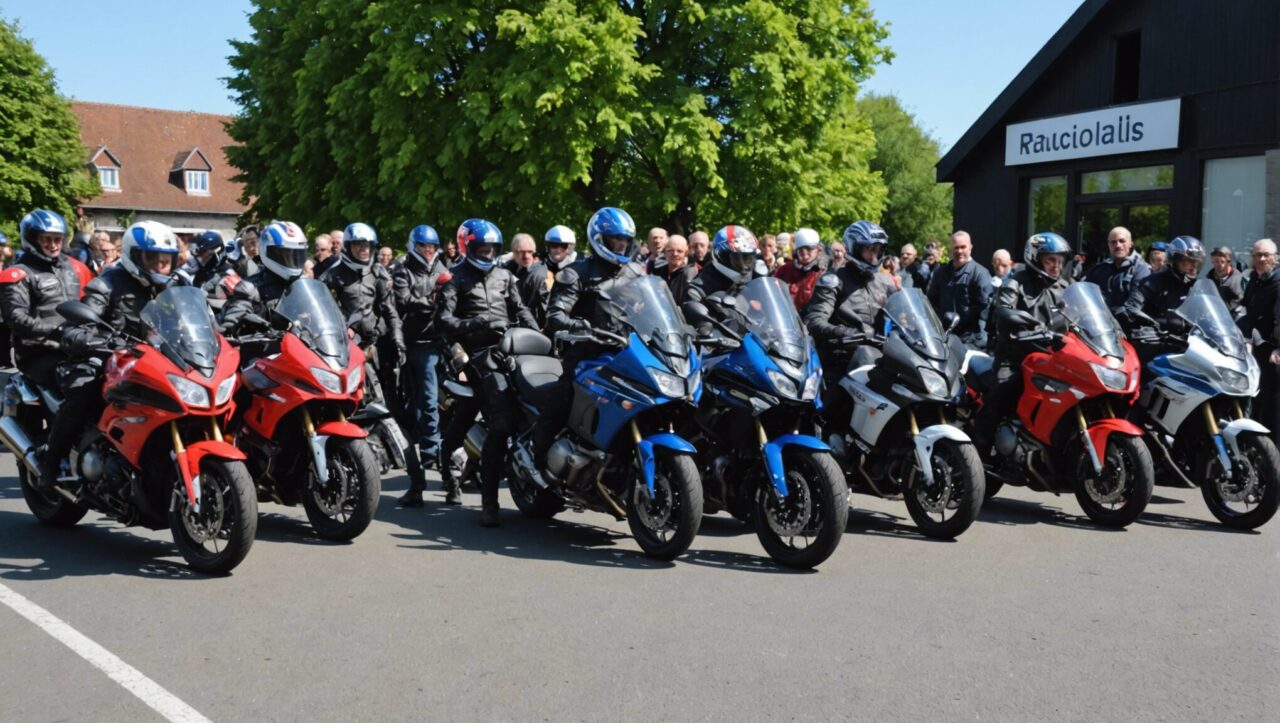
49 466
452 490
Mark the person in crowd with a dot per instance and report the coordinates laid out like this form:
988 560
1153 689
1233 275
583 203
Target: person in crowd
677 272
1261 298
147 267
699 248
248 262
475 307
1120 272
325 257
209 270
838 256
416 282
735 260
561 247
1036 289
386 257
907 258
531 276
1230 282
769 252
1162 292
1001 267
802 272
1156 256
103 250
786 247
655 248
309 268
451 254
891 267
962 287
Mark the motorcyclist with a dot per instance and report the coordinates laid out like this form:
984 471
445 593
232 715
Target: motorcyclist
842 312
1036 289
30 292
478 304
802 271
283 254
148 259
735 260
575 307
415 283
561 243
209 269
1159 294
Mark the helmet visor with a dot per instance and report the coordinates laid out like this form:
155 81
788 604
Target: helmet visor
287 257
740 261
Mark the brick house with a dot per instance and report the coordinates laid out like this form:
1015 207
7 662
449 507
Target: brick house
159 165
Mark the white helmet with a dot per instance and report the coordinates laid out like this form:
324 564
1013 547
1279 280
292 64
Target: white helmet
141 239
355 233
807 238
563 235
283 249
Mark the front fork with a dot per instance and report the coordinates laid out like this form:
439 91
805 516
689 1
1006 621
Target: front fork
190 480
317 443
1219 438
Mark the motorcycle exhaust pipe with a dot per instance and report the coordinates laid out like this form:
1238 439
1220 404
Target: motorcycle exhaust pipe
16 439
474 440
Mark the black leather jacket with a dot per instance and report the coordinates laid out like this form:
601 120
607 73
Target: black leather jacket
475 307
30 291
217 281
1030 291
257 294
575 303
117 297
845 303
534 292
710 281
366 294
414 285
1159 294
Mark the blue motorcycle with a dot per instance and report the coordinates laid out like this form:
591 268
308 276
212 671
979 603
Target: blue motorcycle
754 430
619 454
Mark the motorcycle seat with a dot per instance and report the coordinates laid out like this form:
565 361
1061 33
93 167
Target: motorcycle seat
524 342
980 372
536 376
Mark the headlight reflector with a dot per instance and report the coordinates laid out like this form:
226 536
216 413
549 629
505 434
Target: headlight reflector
785 385
224 391
669 385
934 383
327 379
1110 378
353 381
191 394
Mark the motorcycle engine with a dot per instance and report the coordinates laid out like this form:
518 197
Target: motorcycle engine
1006 440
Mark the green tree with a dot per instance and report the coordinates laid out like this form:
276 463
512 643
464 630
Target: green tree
919 208
42 163
535 112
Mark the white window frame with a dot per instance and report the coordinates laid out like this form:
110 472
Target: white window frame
197 182
109 172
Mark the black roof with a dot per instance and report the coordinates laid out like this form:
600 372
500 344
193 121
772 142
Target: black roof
995 112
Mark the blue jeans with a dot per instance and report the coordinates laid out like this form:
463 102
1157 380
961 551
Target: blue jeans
425 396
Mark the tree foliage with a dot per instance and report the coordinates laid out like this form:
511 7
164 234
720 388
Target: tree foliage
536 112
919 208
42 163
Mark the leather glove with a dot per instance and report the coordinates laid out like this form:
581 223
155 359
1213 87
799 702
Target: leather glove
498 324
1174 324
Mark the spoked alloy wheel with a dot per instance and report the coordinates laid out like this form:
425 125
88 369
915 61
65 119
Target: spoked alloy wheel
1117 496
665 524
948 507
216 538
343 507
804 528
1248 497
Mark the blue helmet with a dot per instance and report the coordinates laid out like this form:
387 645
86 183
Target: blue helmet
862 234
40 222
357 233
1044 244
734 251
475 233
607 223
423 234
1185 247
209 240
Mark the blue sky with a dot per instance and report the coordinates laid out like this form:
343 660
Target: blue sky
954 56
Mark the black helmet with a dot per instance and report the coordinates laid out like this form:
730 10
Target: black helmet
1044 244
861 234
1185 247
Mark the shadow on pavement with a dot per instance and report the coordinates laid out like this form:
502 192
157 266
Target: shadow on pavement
883 524
1005 511
1155 519
89 548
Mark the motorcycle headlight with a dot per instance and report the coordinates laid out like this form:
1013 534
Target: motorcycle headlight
785 385
934 383
327 379
221 396
1234 381
353 381
192 394
669 385
811 387
1110 378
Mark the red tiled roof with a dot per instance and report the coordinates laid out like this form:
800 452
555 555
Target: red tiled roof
146 141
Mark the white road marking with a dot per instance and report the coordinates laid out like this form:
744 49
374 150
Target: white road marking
146 689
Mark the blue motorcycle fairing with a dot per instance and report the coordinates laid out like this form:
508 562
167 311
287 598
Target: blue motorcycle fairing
618 401
1160 367
666 440
752 363
773 456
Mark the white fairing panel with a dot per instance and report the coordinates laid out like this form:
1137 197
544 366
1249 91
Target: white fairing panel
871 412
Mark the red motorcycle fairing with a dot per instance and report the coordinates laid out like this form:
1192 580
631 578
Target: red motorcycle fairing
338 428
282 382
1101 430
1068 379
140 398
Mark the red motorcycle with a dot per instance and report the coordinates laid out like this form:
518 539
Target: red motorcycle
300 445
1070 433
157 456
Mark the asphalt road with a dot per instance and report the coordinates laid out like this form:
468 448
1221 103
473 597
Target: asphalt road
1032 614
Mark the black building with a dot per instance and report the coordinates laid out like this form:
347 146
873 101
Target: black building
1159 115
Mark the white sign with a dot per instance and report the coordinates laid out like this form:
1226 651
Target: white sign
1106 132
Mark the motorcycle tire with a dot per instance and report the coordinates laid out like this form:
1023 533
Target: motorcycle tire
532 501
1264 464
993 487
957 466
665 525
816 509
1127 454
228 518
49 508
351 464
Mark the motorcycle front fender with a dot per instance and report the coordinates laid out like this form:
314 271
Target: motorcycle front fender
191 457
671 442
336 428
773 457
925 441
1231 433
1101 430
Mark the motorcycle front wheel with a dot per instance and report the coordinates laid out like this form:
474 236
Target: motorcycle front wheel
1119 495
217 537
804 528
1248 497
665 523
343 507
947 508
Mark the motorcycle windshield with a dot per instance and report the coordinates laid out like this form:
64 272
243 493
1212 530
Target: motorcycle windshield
315 318
1207 315
646 305
1083 306
770 314
913 317
180 324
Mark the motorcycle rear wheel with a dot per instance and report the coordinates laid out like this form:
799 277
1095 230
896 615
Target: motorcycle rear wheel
532 501
1122 492
49 508
343 508
805 528
959 490
1257 484
666 524
218 537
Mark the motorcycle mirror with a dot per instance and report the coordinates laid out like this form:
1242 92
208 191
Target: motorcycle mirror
79 314
950 320
696 310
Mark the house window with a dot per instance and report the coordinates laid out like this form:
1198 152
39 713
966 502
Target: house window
198 182
1047 205
1234 203
1146 178
109 178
